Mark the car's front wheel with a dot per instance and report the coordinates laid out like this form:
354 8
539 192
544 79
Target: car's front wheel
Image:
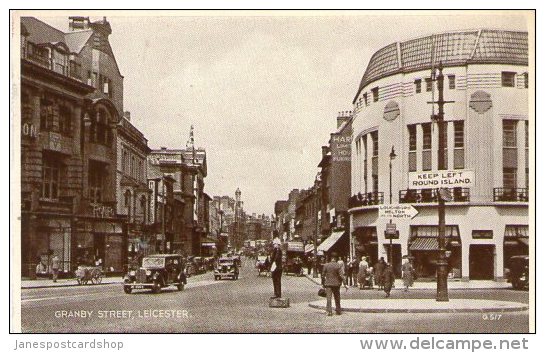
127 289
156 287
181 286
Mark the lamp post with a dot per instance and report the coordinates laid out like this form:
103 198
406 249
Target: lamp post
392 157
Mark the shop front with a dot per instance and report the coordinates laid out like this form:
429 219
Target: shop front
52 237
366 243
102 243
515 242
424 249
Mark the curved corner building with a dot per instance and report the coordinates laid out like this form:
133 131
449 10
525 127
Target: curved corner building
486 84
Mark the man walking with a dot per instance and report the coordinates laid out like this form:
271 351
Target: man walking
276 268
379 270
332 278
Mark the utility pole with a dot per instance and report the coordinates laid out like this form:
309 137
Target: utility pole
442 264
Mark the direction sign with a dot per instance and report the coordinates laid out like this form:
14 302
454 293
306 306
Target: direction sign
441 179
401 211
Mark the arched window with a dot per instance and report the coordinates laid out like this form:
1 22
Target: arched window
127 198
100 131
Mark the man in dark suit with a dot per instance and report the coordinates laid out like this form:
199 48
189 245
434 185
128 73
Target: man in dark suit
332 279
276 268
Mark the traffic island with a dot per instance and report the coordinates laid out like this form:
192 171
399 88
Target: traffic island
395 306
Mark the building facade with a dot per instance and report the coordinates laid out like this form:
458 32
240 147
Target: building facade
133 193
71 99
485 82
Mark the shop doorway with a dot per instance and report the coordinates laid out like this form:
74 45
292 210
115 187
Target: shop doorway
481 262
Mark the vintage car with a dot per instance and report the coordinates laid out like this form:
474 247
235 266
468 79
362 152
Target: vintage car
518 273
157 271
226 267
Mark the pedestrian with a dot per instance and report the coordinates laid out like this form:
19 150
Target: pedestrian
332 279
309 264
355 268
388 279
349 270
362 272
276 269
343 264
55 264
379 270
407 271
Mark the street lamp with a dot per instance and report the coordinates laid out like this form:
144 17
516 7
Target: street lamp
392 157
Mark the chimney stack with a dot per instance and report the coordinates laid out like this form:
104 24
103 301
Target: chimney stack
78 23
343 117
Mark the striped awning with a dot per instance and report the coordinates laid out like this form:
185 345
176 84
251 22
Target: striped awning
330 241
424 244
309 248
523 240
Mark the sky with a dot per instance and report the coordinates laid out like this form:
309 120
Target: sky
263 92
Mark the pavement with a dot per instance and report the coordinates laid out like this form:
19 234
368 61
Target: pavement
69 282
452 284
405 305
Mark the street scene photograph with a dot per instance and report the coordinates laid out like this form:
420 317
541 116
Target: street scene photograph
272 171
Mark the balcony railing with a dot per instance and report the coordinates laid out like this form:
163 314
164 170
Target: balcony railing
368 199
511 194
39 59
430 195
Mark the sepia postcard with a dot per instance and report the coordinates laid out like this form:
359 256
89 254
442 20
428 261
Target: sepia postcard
272 172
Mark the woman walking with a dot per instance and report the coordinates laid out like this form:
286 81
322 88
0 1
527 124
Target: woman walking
407 274
388 279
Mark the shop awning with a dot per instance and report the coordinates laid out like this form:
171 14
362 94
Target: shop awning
424 244
309 248
330 241
208 242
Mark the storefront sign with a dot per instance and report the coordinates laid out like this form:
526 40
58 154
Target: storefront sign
402 211
101 211
296 246
441 179
391 231
341 146
28 130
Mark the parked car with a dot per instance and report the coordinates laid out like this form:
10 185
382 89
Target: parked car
157 271
226 267
518 273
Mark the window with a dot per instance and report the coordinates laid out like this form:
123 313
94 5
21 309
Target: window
95 79
65 120
110 89
100 131
418 86
508 79
412 137
509 178
143 206
47 115
374 136
525 75
124 159
426 132
97 181
75 70
428 84
375 94
365 99
451 82
364 141
127 198
89 78
459 157
426 146
526 133
51 172
509 133
412 147
482 234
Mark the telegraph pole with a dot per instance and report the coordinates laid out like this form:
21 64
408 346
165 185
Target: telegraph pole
442 264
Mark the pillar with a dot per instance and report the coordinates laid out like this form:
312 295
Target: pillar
465 260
